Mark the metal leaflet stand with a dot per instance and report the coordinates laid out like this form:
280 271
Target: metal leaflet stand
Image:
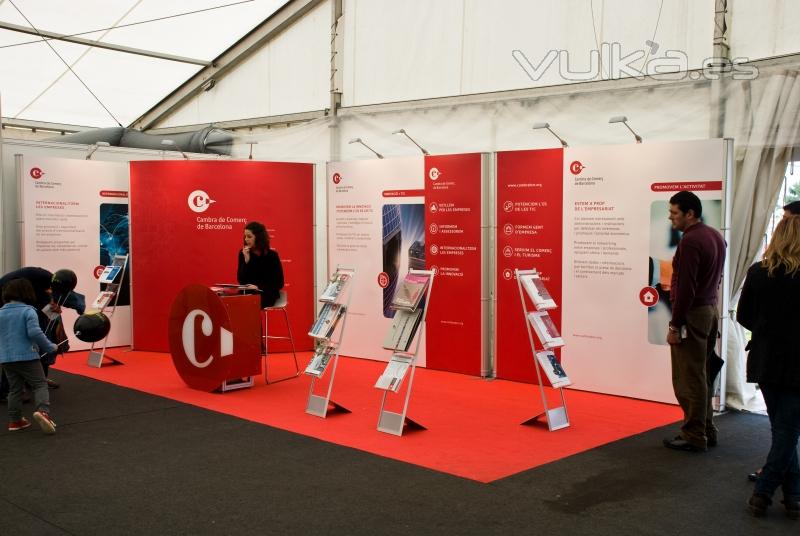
557 417
319 404
95 358
392 422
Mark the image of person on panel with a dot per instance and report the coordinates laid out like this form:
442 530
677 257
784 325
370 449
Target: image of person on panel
259 265
51 291
773 361
692 332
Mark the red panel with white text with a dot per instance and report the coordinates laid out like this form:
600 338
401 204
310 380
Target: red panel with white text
453 249
529 231
187 219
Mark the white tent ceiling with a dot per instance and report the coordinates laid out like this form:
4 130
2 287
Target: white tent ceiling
35 84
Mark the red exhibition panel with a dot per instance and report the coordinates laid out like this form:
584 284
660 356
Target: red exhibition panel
453 244
529 232
187 219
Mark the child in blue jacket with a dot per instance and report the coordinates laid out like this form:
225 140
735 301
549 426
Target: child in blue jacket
22 341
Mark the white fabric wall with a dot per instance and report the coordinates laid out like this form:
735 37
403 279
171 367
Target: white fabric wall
289 74
395 51
764 28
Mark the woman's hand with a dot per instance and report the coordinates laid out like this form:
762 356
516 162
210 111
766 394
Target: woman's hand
251 286
246 253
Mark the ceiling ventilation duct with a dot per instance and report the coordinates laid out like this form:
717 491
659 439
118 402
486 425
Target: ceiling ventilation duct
207 140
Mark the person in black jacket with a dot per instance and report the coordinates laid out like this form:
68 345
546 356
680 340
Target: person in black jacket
259 266
774 360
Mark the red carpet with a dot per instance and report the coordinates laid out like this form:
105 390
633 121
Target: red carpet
473 425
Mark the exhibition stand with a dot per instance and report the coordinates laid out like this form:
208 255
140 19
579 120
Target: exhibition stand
592 219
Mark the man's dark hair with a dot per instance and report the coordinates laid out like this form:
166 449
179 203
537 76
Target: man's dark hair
687 201
793 208
19 290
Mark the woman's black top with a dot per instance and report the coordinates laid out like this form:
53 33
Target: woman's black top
768 308
265 272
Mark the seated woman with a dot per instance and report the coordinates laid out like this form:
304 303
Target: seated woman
259 266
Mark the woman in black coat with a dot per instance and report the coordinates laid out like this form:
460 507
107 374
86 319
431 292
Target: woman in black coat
259 266
769 308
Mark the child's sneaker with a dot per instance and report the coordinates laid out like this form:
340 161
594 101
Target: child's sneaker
18 425
44 421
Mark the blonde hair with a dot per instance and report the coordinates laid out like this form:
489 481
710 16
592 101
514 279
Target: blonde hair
784 248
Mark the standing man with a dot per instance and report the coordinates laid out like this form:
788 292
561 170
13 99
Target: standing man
696 274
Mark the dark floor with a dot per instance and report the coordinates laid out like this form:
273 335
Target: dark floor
125 462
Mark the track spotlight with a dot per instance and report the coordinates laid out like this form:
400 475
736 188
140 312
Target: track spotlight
171 143
404 133
537 126
359 140
95 147
624 120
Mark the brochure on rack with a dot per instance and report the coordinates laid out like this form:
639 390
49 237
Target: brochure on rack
335 287
552 368
410 292
404 327
392 377
537 292
110 273
319 362
102 300
326 322
545 329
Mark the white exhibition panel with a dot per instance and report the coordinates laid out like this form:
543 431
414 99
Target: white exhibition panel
10 246
355 240
613 220
62 204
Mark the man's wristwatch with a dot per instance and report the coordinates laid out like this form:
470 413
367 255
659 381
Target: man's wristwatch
674 329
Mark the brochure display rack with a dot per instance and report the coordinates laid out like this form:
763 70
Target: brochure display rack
410 304
545 359
106 302
335 301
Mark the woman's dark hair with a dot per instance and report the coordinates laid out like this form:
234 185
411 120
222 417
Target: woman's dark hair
19 290
260 233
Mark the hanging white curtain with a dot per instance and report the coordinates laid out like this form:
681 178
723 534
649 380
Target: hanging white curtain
763 118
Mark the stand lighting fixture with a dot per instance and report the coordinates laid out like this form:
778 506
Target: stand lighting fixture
546 126
624 120
404 133
359 140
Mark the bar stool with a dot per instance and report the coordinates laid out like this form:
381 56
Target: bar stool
279 305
